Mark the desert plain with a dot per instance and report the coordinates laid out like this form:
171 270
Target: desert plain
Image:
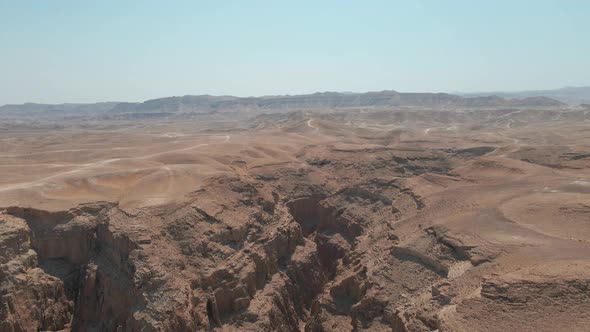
297 214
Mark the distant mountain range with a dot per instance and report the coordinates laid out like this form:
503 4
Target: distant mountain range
331 100
175 106
569 95
64 109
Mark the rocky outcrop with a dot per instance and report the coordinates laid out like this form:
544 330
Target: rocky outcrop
67 270
272 252
537 302
30 299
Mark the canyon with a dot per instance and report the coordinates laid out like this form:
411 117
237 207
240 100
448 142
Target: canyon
370 212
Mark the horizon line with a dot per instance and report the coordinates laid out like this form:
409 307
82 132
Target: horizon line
457 93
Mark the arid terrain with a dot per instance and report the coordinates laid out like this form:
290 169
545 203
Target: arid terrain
327 212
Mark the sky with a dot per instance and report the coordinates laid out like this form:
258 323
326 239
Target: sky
89 51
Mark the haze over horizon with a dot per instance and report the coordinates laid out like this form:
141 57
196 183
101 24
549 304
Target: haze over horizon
55 52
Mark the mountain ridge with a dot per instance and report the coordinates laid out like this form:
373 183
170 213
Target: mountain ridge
210 103
569 95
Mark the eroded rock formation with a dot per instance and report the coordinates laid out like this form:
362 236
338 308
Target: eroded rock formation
367 237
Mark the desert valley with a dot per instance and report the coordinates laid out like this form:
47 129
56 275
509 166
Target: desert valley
378 211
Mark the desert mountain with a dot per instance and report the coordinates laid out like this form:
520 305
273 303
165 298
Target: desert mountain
570 95
208 104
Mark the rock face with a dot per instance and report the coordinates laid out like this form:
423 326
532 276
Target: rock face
59 267
31 299
288 266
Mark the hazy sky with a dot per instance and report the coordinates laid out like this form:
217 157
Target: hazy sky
85 51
